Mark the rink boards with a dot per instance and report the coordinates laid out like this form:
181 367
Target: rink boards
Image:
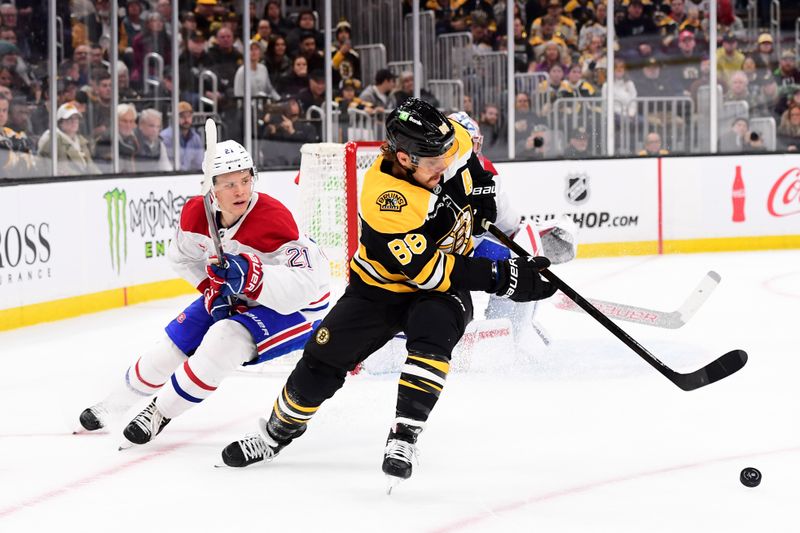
84 246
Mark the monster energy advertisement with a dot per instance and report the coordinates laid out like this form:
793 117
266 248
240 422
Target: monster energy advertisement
140 223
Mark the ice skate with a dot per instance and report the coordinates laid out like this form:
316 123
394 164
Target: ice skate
100 415
400 454
144 426
255 447
93 418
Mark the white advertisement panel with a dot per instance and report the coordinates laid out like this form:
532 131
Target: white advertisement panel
704 199
67 239
609 200
60 240
25 249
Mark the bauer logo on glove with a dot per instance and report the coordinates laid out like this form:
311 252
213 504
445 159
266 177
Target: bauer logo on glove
244 275
518 279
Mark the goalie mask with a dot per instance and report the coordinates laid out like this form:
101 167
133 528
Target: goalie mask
472 127
419 129
229 156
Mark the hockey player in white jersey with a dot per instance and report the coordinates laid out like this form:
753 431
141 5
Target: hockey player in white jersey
554 240
263 305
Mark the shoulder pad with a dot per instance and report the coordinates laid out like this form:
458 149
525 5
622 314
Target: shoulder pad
390 205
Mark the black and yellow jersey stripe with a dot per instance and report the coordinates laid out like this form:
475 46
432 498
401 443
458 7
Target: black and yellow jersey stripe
412 238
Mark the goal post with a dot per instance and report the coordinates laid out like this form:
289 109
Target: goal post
330 182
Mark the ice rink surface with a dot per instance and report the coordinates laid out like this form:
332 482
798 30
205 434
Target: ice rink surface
582 436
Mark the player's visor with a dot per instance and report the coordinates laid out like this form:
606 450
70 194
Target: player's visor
441 162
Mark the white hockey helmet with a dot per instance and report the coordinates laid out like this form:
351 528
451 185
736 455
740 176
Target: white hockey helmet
472 127
228 157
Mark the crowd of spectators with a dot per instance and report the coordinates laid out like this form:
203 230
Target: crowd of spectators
661 52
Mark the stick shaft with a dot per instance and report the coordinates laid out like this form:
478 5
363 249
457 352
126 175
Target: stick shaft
584 304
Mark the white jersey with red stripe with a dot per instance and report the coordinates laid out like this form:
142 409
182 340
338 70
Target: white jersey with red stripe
296 272
507 217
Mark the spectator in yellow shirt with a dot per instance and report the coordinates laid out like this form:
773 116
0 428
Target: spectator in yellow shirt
729 58
652 145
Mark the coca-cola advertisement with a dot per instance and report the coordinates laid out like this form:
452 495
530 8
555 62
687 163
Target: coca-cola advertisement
738 196
732 202
784 196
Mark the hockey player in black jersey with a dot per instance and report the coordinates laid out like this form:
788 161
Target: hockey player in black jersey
420 204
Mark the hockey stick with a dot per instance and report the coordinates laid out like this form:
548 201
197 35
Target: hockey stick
652 317
718 369
211 216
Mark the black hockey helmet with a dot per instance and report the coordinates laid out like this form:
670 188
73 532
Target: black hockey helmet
419 129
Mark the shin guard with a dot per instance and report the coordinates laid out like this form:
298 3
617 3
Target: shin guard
309 384
421 382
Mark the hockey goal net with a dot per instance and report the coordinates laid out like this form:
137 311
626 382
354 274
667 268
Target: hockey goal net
330 183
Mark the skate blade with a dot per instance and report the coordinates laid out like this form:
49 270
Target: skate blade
392 482
125 445
101 431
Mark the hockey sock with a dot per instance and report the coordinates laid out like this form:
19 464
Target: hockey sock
290 414
226 346
421 382
147 375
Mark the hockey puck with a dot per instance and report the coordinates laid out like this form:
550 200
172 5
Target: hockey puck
750 477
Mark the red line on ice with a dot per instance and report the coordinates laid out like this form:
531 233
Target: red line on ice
111 471
470 521
768 285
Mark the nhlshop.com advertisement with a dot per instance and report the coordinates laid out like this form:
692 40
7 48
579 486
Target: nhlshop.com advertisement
672 204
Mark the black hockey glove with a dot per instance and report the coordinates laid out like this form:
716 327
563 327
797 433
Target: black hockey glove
518 279
483 204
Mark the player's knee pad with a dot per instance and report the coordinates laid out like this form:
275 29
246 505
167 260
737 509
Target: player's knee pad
226 346
437 321
314 381
152 369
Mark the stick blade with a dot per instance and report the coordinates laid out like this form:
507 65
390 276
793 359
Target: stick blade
210 153
723 367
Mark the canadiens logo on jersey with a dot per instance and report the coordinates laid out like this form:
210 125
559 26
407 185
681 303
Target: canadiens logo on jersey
391 201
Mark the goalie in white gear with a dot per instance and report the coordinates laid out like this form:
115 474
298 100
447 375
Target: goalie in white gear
555 240
263 305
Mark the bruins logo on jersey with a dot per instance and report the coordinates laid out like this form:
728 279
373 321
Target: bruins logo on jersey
391 201
322 336
458 238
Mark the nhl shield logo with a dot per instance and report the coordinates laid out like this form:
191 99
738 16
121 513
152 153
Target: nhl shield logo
577 188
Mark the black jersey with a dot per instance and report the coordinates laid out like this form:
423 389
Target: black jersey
416 239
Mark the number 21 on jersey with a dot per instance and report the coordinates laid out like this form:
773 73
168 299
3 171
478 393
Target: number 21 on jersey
298 257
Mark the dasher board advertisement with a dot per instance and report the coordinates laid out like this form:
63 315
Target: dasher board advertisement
733 196
611 201
66 239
